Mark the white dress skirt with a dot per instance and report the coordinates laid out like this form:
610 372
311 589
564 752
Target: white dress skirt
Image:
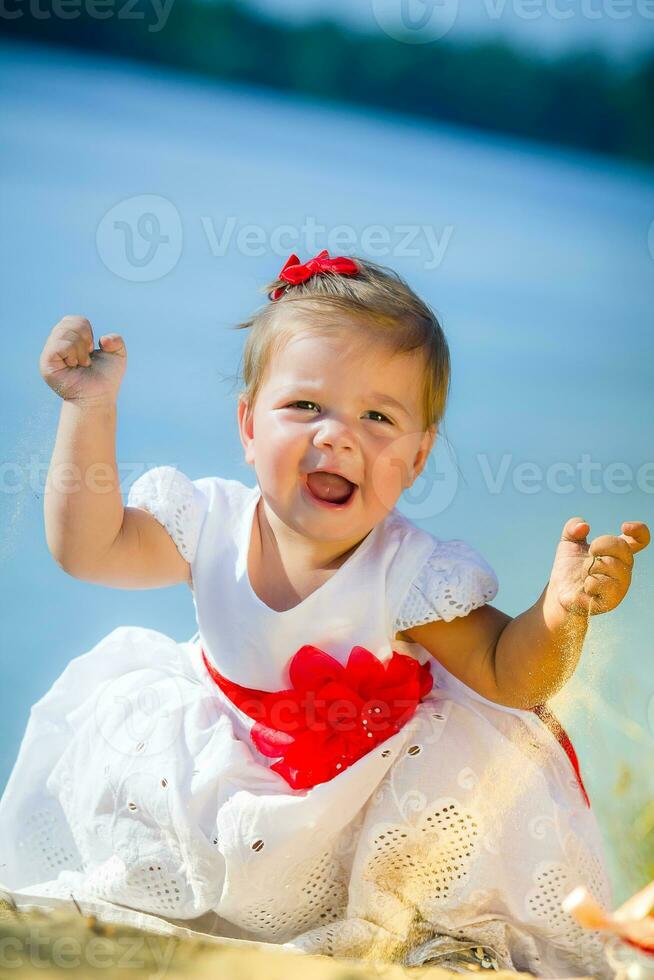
138 782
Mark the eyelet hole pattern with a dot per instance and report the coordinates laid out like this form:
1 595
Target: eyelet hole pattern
321 899
427 861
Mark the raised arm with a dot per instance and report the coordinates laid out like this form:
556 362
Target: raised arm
523 661
88 531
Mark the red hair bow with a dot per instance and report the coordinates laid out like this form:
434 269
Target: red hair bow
294 271
333 714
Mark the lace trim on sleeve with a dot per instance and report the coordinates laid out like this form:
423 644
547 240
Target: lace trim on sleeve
175 502
454 580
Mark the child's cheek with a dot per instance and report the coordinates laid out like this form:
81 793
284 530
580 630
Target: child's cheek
391 471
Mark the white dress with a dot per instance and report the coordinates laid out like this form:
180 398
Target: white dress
138 781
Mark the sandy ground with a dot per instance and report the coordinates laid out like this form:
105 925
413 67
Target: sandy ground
45 942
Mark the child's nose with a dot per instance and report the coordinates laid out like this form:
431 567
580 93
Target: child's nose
335 433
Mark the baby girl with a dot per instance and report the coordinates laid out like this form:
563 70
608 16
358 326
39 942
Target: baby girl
354 751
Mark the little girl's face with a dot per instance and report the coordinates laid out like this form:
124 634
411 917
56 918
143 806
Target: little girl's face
335 403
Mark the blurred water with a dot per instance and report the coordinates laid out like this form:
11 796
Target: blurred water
545 287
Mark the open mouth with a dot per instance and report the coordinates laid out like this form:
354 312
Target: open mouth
330 489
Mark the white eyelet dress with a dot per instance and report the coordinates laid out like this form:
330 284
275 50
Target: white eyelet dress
137 781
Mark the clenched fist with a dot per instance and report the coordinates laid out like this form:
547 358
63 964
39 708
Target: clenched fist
74 370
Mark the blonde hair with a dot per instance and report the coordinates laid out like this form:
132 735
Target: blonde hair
376 299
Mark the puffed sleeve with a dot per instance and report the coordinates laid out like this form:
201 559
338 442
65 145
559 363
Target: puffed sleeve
175 501
453 581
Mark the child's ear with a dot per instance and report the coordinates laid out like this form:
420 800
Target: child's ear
426 445
246 428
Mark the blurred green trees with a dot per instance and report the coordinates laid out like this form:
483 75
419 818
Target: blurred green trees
580 100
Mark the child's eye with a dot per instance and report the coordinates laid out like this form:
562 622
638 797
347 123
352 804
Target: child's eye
382 417
293 404
372 411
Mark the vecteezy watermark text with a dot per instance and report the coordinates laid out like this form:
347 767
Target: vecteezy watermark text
141 238
562 477
431 494
31 475
95 9
424 21
400 241
42 949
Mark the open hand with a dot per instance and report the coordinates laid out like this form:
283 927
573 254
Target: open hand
590 579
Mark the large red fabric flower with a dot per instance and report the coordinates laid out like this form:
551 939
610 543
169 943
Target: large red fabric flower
333 714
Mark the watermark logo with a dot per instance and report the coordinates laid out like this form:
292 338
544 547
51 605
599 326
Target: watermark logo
424 21
94 9
140 239
565 10
44 949
415 21
423 243
431 492
434 489
137 715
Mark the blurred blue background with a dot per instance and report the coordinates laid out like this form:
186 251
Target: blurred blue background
156 202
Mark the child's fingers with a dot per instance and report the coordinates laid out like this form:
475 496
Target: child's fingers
76 332
113 343
611 546
77 328
64 352
635 537
605 592
636 534
613 568
575 529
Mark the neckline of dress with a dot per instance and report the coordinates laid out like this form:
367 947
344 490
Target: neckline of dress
245 542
